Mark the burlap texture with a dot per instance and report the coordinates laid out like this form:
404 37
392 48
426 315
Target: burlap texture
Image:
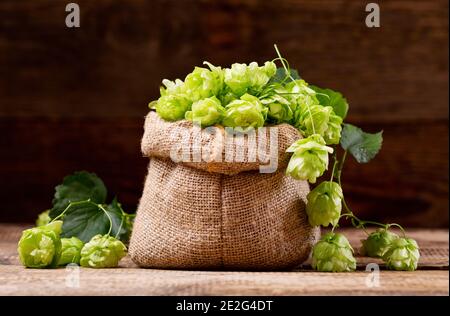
218 215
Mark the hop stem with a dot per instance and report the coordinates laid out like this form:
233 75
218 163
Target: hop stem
288 74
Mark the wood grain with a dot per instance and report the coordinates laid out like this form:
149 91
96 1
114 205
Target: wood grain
130 280
74 99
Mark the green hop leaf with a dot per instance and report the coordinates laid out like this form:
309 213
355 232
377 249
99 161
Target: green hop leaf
242 79
79 186
206 112
43 218
87 219
102 252
333 253
403 254
122 221
39 247
282 76
70 251
377 243
173 107
328 97
246 112
363 146
310 158
324 204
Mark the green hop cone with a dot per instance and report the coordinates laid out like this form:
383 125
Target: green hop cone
246 112
376 244
324 204
172 107
70 251
204 83
206 112
176 87
313 119
43 218
241 78
300 96
310 158
333 253
102 252
402 254
279 109
39 247
332 134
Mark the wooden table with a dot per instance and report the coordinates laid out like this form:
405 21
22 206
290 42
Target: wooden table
432 277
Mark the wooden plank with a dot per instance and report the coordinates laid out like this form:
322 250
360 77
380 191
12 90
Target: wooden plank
16 280
406 183
114 63
130 280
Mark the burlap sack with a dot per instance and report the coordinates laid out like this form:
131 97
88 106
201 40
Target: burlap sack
218 215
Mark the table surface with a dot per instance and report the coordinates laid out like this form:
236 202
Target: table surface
431 278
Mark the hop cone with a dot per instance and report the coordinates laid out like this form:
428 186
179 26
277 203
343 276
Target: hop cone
377 243
39 247
403 254
310 158
324 204
43 218
333 253
70 251
102 252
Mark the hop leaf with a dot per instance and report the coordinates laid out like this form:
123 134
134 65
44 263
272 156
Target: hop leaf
70 251
246 112
39 247
78 186
102 252
324 204
402 254
206 112
363 146
333 253
43 218
310 158
282 75
377 243
328 97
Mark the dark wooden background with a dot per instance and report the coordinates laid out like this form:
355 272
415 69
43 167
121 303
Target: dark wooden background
73 99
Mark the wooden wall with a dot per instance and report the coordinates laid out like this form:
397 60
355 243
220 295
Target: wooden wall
74 99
